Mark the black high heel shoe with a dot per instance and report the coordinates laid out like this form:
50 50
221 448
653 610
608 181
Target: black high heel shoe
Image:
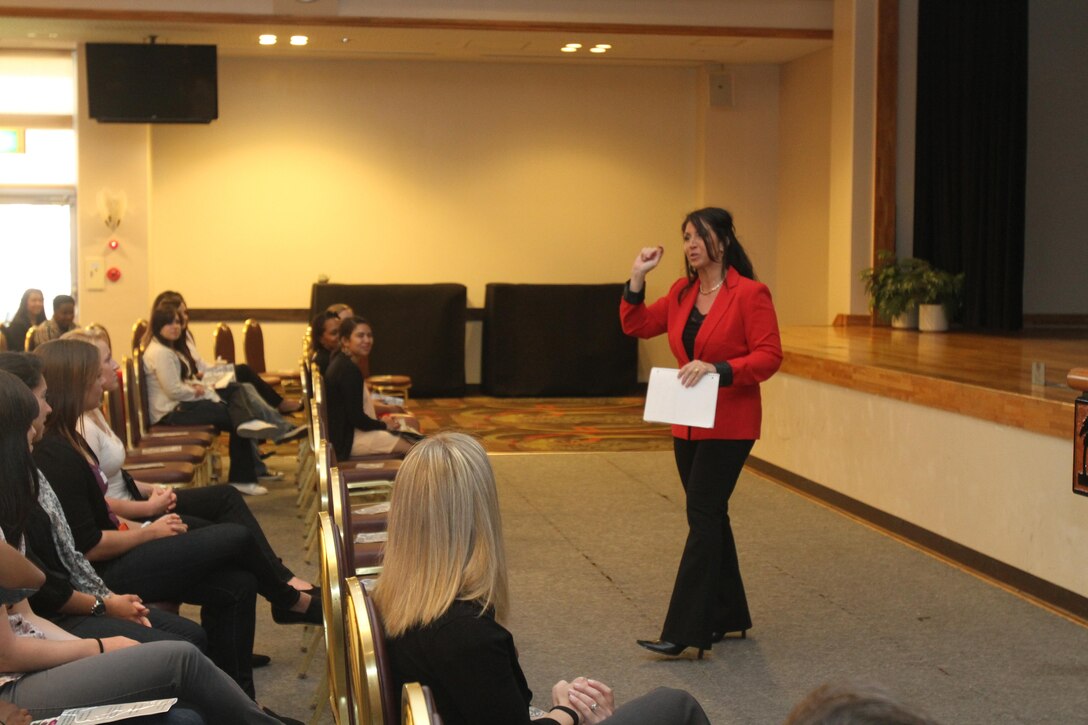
716 637
661 647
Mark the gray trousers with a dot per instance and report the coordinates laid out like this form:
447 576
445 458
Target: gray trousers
151 671
663 706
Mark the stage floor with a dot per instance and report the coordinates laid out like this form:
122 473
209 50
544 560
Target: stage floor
986 376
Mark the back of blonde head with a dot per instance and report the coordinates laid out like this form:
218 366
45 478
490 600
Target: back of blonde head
445 535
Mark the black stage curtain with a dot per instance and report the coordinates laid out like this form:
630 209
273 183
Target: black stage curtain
556 340
971 152
419 330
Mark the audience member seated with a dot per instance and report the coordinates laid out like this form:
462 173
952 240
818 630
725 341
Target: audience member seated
63 320
135 500
242 372
443 593
354 426
324 339
45 669
854 703
219 567
73 596
31 313
176 397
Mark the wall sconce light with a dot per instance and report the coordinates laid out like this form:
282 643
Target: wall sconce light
111 207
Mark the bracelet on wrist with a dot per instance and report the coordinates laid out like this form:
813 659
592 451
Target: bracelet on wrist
569 710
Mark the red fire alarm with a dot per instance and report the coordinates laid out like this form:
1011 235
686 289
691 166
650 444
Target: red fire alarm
113 274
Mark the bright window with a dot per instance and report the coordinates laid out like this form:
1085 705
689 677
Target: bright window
36 246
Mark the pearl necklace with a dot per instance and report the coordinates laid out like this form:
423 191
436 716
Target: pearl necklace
712 289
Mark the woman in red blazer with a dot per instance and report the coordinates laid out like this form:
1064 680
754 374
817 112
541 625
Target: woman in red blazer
718 319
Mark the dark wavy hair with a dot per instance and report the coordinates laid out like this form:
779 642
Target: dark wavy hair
70 368
162 316
350 323
24 366
23 313
714 223
317 327
18 475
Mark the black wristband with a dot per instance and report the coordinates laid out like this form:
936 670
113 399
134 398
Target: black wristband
569 711
101 647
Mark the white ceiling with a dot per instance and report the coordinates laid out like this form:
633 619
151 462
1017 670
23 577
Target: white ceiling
481 39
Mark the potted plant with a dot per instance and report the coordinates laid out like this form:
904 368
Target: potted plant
895 288
941 292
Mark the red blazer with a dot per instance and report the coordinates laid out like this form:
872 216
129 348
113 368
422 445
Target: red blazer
741 328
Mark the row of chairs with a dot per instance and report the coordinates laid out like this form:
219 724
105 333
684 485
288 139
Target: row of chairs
347 503
224 349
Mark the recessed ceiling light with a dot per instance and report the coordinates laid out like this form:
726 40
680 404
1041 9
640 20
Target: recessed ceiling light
576 46
299 40
345 40
568 49
598 50
605 46
267 39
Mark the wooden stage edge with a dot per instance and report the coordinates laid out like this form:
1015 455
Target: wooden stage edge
984 376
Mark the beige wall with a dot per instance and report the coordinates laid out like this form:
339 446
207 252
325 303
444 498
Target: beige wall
421 172
113 156
999 490
804 133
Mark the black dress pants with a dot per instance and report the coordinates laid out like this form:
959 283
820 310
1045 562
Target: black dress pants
708 595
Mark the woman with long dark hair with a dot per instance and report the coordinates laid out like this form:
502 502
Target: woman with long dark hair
177 397
718 319
31 313
219 567
73 596
355 428
242 373
47 670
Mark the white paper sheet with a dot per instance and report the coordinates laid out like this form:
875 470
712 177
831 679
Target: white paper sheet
667 401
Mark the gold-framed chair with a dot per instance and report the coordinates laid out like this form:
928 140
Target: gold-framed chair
3 337
139 329
30 341
253 345
373 700
223 342
417 705
333 605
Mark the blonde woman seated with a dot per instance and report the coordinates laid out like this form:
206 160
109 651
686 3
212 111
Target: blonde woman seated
443 594
354 426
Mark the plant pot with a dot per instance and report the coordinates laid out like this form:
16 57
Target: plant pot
932 318
906 321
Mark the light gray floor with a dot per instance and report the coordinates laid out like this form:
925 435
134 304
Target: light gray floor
593 541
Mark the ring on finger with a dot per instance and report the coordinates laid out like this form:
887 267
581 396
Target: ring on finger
593 706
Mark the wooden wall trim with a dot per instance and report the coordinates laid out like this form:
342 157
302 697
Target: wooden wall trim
164 16
236 314
887 85
278 314
1041 591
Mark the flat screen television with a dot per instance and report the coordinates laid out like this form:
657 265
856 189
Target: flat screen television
151 83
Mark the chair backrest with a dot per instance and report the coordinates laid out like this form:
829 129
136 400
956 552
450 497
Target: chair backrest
132 400
332 603
364 634
30 342
115 411
253 344
417 705
223 342
142 421
3 337
139 329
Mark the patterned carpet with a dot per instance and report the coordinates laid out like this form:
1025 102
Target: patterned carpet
546 425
